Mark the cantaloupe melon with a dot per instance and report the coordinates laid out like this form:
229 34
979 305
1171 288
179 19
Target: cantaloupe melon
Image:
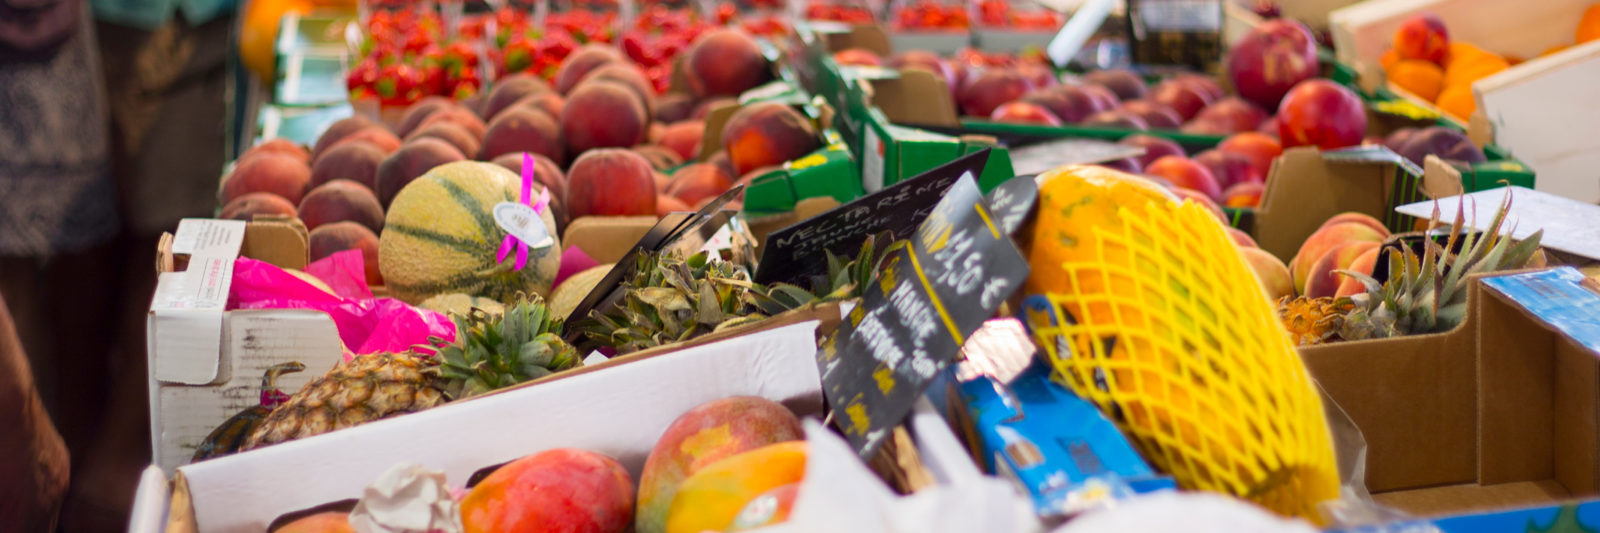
440 237
571 292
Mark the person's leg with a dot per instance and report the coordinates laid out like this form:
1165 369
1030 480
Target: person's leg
33 476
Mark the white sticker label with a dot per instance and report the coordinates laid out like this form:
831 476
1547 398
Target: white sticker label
872 162
522 222
203 235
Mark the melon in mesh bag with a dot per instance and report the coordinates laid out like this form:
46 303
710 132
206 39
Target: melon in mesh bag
1153 315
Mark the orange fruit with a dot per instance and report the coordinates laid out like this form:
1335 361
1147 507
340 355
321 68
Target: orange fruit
1554 49
1388 59
1461 50
1422 78
1466 71
1457 100
1589 25
258 34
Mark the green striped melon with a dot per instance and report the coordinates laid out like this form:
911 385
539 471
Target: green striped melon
461 304
440 237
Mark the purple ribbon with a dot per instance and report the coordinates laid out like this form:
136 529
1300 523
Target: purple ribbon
538 207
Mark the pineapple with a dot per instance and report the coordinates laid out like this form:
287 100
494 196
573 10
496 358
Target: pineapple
227 438
491 351
1429 294
1312 320
365 388
672 299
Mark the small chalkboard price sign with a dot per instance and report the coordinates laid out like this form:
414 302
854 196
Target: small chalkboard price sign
1012 202
933 290
794 254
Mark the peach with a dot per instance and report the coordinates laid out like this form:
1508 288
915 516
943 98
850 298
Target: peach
1243 194
666 205
767 133
376 136
1154 115
420 111
1206 127
547 174
1446 143
1260 148
450 133
279 146
704 436
1364 263
1244 240
661 180
1024 113
981 95
857 56
1321 279
695 182
1186 173
248 205
341 200
564 489
1229 169
1154 147
1183 99
1069 104
684 138
1127 164
580 62
1271 59
353 161
281 174
550 102
1360 218
1422 36
1124 83
710 500
324 522
1238 114
1397 138
329 239
629 76
511 89
725 63
1115 118
338 131
1325 239
603 114
1039 76
611 181
721 160
1270 272
459 116
520 130
410 161
661 158
1321 113
1204 201
705 107
1101 95
1207 85
674 107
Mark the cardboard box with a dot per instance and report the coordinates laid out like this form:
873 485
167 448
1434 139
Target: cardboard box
1538 110
206 364
606 239
1499 412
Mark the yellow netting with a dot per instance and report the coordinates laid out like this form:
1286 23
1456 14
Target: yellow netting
1169 334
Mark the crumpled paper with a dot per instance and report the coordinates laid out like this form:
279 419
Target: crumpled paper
840 495
407 498
1193 512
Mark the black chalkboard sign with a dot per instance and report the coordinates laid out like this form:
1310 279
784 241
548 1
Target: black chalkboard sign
934 290
795 254
1012 202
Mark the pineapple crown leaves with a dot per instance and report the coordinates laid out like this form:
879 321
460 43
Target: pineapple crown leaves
494 351
1428 294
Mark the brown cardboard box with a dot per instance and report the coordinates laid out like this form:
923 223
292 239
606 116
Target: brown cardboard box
607 239
1499 412
1304 190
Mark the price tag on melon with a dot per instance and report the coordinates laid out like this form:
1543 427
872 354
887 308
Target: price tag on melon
524 227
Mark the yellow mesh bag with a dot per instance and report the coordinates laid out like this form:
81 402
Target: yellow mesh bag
1163 326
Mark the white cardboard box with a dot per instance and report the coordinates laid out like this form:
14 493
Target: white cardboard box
619 412
206 364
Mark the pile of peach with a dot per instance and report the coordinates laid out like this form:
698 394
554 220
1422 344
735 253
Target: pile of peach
1424 61
601 138
1233 174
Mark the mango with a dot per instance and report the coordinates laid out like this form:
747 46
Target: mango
564 489
704 435
712 498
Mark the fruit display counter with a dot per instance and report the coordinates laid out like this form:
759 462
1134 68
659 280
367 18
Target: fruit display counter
686 267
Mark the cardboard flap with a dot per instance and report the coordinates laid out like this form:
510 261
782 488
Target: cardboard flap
607 239
284 242
1440 179
1307 188
869 37
915 97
